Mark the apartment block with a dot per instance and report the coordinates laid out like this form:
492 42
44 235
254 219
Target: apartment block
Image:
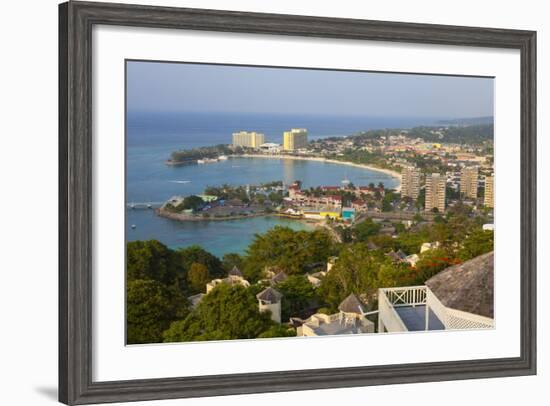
489 191
435 192
410 182
468 181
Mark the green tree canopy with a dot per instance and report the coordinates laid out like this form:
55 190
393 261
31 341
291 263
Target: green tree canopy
356 271
432 262
150 308
298 295
197 277
387 201
230 260
276 197
151 260
278 330
362 271
477 243
365 229
196 254
192 202
226 313
287 249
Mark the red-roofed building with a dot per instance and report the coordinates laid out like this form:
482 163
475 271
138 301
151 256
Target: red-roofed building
294 190
359 204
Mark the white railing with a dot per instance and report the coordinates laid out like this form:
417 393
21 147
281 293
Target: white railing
452 319
388 319
406 296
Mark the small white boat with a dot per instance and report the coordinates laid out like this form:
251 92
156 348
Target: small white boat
133 226
207 160
222 158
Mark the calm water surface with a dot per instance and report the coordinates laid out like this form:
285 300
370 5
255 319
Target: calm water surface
152 137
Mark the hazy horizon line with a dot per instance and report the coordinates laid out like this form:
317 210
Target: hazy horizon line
310 114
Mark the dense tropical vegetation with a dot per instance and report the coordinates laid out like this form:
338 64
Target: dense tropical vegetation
160 279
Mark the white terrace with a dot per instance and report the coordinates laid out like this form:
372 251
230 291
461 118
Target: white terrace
417 308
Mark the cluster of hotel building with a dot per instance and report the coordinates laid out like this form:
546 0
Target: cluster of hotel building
294 139
436 185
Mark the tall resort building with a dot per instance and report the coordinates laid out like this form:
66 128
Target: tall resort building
248 139
435 192
295 139
468 181
410 182
489 191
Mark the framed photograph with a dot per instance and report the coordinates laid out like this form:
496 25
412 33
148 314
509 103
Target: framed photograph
259 202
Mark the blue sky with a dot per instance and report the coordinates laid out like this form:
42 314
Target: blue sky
158 86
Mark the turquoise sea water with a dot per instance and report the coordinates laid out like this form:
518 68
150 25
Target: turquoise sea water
151 139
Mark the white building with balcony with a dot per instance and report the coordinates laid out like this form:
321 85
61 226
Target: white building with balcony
459 297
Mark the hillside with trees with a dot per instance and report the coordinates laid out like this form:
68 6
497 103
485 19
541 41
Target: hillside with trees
159 279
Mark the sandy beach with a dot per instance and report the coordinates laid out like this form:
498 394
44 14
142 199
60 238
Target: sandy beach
393 174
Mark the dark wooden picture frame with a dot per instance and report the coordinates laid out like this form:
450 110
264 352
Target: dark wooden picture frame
76 20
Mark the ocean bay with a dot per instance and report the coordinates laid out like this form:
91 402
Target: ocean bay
150 180
152 137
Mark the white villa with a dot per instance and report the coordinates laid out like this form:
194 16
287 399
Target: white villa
349 320
270 299
429 246
459 297
234 277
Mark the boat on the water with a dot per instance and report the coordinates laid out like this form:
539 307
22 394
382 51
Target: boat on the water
207 160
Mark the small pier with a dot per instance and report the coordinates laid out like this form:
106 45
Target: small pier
144 205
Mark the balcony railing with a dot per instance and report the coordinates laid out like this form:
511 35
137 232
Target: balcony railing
407 296
390 299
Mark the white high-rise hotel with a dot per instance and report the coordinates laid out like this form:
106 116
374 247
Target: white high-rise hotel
248 139
295 139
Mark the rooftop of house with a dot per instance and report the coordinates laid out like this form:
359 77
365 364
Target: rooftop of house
351 304
235 272
279 277
269 295
467 286
324 324
333 328
396 256
372 246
